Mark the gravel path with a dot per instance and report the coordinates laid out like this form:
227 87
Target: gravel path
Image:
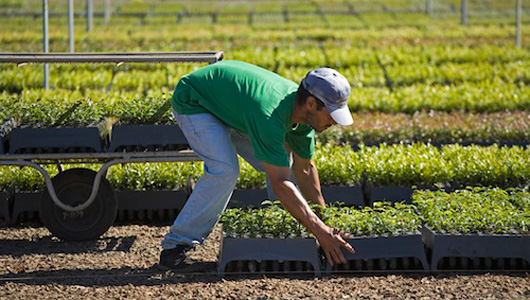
122 264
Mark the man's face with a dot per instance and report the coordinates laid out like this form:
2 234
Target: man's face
319 120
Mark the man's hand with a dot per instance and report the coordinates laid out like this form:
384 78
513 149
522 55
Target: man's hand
331 241
295 203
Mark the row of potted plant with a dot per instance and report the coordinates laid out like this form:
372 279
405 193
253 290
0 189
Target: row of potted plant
472 211
467 211
360 75
439 31
388 165
261 6
390 235
432 127
40 108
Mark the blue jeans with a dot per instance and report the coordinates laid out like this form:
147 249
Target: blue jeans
217 145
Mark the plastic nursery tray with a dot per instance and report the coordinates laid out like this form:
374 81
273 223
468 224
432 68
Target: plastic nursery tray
4 208
2 147
26 206
389 194
54 140
147 138
261 255
160 205
349 195
459 249
383 253
242 198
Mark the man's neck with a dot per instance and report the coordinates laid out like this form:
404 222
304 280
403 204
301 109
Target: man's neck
298 113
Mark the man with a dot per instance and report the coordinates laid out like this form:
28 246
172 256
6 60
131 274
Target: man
231 108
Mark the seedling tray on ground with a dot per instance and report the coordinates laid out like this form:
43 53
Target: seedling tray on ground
477 251
54 140
262 255
242 198
132 205
383 253
349 195
389 194
131 138
150 205
2 147
5 216
26 206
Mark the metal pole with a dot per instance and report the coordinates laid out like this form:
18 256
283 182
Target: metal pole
518 20
45 41
428 7
107 12
464 12
71 24
89 15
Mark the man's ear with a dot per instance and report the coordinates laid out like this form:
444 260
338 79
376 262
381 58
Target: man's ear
311 103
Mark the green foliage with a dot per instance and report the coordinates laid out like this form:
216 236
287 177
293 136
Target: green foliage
471 211
27 179
338 165
418 164
268 222
273 221
153 176
381 220
405 165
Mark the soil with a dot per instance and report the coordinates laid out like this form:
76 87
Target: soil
122 264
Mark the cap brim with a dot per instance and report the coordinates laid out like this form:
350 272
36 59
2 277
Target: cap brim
342 116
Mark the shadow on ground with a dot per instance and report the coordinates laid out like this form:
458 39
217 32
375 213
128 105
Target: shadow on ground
113 277
51 245
153 276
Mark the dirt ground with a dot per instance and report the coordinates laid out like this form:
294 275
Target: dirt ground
122 265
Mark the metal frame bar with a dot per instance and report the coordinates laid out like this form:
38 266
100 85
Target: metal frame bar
54 158
110 57
116 158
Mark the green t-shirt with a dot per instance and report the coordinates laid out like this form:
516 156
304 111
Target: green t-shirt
251 100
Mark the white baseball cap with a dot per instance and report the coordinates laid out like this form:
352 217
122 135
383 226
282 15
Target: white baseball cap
330 87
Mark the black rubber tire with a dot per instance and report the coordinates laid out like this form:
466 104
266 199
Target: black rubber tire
73 187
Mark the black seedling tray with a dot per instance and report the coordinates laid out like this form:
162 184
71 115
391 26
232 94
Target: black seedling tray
242 198
390 194
385 253
349 195
2 147
137 200
475 246
26 203
4 208
280 253
131 138
150 205
54 140
132 205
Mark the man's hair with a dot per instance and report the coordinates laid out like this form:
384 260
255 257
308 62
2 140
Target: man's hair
301 97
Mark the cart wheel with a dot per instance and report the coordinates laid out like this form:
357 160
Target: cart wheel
73 187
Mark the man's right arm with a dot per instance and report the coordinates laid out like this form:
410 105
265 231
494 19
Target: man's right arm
295 203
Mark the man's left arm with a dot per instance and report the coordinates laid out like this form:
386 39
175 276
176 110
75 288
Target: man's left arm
307 179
